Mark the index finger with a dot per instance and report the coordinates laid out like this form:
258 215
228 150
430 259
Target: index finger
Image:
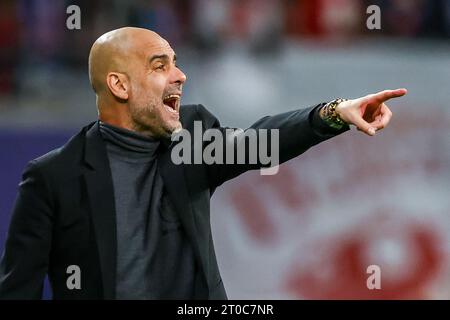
389 94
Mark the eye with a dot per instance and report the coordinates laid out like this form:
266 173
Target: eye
160 66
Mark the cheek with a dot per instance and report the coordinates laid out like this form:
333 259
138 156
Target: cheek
155 85
146 87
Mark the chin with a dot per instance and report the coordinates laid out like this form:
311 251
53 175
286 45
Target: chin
172 128
176 127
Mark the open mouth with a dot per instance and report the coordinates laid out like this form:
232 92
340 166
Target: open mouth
171 103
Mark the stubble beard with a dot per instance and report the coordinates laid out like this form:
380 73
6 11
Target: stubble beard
148 121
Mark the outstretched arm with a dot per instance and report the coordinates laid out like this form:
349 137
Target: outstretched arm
297 131
301 129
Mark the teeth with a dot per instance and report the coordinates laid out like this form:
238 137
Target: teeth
176 96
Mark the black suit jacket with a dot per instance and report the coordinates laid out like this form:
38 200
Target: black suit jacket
64 212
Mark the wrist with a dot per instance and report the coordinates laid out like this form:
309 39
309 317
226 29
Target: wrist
340 107
330 113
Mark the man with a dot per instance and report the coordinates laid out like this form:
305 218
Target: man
110 216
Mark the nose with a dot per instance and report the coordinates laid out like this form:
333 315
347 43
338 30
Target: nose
178 76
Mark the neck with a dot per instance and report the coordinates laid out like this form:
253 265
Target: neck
120 117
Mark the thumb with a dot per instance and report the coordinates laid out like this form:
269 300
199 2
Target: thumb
364 126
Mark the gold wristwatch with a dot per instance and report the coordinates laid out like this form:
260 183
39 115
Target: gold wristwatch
329 115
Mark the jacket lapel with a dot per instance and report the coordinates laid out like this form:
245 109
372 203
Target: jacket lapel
174 177
101 199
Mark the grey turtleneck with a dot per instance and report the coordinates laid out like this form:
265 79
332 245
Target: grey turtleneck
154 257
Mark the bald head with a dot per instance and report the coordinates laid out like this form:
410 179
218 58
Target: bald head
113 51
138 85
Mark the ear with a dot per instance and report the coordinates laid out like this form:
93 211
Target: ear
118 84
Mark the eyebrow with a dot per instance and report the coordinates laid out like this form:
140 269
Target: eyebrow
163 57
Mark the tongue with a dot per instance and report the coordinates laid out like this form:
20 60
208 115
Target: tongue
170 103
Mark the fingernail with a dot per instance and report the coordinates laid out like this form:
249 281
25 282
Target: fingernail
372 131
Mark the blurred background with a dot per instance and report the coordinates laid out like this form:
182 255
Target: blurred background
311 231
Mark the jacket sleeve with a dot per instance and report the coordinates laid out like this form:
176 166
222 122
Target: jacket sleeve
24 262
298 130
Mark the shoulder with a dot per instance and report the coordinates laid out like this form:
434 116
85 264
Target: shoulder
63 159
197 112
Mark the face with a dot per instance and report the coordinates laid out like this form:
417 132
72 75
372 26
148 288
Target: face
155 90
